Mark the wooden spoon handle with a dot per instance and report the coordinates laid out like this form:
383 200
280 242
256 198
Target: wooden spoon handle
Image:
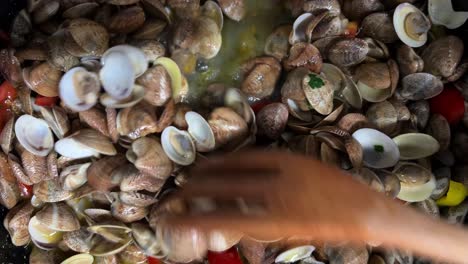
407 228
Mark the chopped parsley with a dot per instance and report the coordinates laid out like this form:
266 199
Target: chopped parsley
315 81
379 148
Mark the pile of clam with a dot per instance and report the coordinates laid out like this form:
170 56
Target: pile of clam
357 84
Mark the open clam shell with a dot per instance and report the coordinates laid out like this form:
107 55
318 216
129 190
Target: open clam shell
34 135
416 145
373 95
42 236
118 75
379 151
83 258
146 239
85 143
178 146
138 92
416 182
411 25
383 116
442 13
57 120
7 136
419 86
137 58
200 131
176 77
319 93
295 254
74 176
79 89
58 217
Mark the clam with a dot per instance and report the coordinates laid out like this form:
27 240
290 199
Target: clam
79 89
137 58
58 217
149 157
178 145
272 119
42 236
137 121
7 136
442 13
420 113
16 223
83 258
133 180
416 182
347 254
319 93
429 206
298 33
51 191
200 131
102 174
43 79
358 9
379 26
127 20
375 75
303 54
260 77
43 12
379 151
153 49
295 254
235 10
145 238
277 43
132 254
227 126
333 6
222 240
57 120
74 176
96 119
85 143
439 128
138 199
322 25
80 10
411 25
118 75
127 213
369 178
35 166
138 92
348 52
457 214
443 55
408 61
150 29
419 86
34 135
157 83
89 37
442 176
390 181
416 145
111 118
383 116
101 246
18 170
175 75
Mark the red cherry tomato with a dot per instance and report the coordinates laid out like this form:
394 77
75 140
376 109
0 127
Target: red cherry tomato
26 190
230 256
450 104
7 91
46 101
152 260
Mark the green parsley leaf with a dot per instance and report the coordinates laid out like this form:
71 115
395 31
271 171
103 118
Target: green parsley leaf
315 81
379 148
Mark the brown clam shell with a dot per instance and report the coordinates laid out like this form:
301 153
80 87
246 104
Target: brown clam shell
133 180
127 213
439 128
419 86
383 116
348 52
375 75
304 55
7 136
11 67
18 170
132 254
352 122
89 36
45 11
43 79
408 60
442 56
319 98
35 166
33 53
80 10
148 156
156 8
137 199
95 140
52 166
51 191
150 29
261 76
272 119
355 153
96 119
127 20
234 9
58 216
153 49
347 254
78 240
101 174
16 223
332 6
157 85
9 191
421 112
379 26
277 43
122 2
137 121
358 9
227 126
111 118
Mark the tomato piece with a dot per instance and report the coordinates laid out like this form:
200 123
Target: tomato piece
230 256
26 190
351 29
7 91
153 260
450 104
45 101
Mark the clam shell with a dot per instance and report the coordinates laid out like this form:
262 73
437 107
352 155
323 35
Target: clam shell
222 240
137 121
375 75
122 2
43 12
303 54
157 9
178 146
89 36
320 98
58 217
277 44
351 93
417 183
443 14
383 116
442 56
57 120
227 126
127 213
35 166
212 10
390 181
419 86
137 57
42 236
100 247
43 79
408 60
298 33
421 112
111 117
85 141
260 76
132 254
7 136
439 128
137 199
78 240
272 119
138 92
348 52
118 75
429 206
16 223
149 157
379 26
96 119
411 32
145 238
83 258
51 191
192 242
175 75
133 180
127 20
158 85
442 176
416 145
74 176
352 122
235 10
373 95
18 170
379 151
79 89
369 178
150 29
102 174
80 10
34 135
295 254
200 131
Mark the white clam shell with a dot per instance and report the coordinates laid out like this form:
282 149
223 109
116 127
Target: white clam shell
74 176
34 135
68 88
441 13
399 17
200 131
42 236
379 151
416 145
295 254
117 75
178 145
137 95
83 258
137 57
416 192
70 148
299 28
373 95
